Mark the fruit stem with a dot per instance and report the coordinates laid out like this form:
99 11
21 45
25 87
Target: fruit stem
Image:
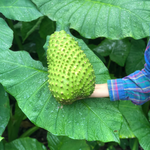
61 25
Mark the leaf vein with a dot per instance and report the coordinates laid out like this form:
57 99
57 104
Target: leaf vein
33 94
86 17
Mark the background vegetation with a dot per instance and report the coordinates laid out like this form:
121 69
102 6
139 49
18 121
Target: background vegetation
112 33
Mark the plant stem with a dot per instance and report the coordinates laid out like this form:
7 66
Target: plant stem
135 145
120 71
18 41
29 132
14 123
109 64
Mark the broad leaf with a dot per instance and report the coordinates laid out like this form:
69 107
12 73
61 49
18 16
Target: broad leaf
6 35
135 60
90 119
65 143
25 144
126 131
4 110
22 10
113 19
137 122
117 50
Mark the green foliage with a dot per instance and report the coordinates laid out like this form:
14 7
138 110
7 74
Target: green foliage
64 143
108 28
4 110
1 145
141 129
117 50
14 123
135 60
6 35
22 10
25 143
97 18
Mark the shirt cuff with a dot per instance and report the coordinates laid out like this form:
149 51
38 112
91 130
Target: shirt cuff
116 89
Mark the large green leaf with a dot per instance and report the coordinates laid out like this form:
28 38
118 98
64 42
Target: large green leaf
65 143
25 144
90 119
4 110
22 10
113 19
6 35
137 121
116 49
126 131
135 60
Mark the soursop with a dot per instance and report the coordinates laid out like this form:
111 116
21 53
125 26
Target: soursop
71 75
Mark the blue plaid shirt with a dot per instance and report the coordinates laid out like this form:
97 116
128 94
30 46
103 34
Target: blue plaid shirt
134 87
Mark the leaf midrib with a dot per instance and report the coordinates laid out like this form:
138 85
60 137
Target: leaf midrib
99 118
23 66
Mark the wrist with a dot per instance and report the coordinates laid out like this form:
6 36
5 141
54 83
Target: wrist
101 90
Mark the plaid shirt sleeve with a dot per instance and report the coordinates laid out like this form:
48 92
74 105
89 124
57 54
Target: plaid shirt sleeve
134 87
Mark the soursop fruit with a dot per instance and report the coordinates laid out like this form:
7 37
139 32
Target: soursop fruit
71 75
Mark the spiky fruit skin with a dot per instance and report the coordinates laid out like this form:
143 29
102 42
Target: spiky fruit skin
71 75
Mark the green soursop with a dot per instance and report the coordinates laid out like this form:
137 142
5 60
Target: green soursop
71 75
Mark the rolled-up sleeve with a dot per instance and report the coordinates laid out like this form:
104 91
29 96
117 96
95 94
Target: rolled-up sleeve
134 87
